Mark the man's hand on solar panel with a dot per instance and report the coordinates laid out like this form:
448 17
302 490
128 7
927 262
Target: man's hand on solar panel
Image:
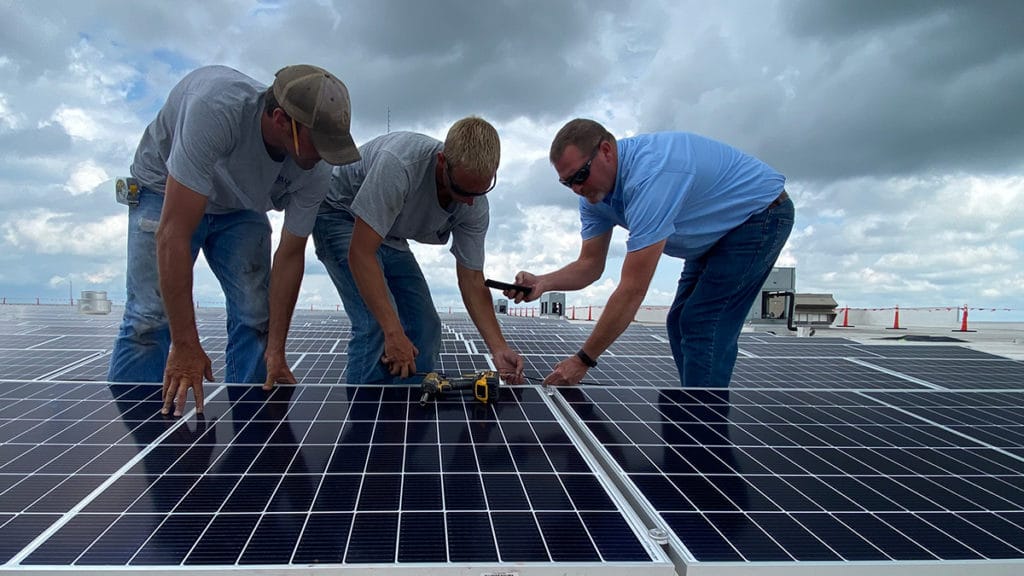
186 366
277 371
399 354
568 372
509 364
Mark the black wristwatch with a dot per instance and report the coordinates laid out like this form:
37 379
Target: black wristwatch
586 359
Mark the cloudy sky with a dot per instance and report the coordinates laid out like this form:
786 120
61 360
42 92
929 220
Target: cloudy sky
894 123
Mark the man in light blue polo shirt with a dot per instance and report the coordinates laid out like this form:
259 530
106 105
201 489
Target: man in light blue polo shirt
724 212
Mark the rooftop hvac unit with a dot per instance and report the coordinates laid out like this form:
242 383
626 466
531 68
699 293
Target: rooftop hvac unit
93 302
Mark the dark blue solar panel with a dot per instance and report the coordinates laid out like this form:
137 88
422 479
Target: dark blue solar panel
219 491
753 481
786 467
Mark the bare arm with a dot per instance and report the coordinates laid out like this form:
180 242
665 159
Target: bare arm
187 363
637 271
478 302
285 280
399 352
582 272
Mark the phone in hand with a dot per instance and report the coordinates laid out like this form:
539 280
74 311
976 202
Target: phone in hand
506 286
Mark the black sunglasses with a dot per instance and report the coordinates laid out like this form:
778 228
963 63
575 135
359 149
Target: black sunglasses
583 173
459 191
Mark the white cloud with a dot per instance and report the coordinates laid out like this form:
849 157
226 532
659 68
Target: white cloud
8 119
45 232
77 122
85 177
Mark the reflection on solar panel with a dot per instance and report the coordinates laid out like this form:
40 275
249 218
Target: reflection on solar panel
812 373
335 475
29 364
959 374
612 371
781 477
827 456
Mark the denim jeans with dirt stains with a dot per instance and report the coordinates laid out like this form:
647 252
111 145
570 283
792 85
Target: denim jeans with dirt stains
236 245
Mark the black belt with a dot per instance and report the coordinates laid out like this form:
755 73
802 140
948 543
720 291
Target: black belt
782 198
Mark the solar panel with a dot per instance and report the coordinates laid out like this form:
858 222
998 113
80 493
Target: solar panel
901 458
319 368
943 352
776 477
320 475
22 341
959 373
612 370
788 349
813 373
29 364
452 364
454 347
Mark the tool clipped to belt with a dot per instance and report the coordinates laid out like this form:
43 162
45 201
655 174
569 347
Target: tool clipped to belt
486 386
126 191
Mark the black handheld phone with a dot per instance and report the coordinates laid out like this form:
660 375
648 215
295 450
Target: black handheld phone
506 286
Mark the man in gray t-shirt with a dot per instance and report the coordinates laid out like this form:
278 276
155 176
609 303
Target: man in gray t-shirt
409 186
222 151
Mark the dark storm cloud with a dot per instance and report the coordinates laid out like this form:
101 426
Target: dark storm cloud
849 89
446 59
940 94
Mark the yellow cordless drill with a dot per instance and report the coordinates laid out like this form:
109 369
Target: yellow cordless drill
485 385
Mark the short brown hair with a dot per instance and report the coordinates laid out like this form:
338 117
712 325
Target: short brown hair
583 133
473 145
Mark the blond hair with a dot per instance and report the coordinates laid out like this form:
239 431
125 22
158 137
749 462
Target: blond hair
473 145
583 133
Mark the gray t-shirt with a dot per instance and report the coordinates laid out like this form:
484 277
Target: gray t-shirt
208 136
393 189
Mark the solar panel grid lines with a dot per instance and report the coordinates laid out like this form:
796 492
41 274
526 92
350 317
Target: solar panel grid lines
958 373
807 464
746 491
71 502
527 413
455 364
814 373
9 341
788 349
611 370
455 347
317 368
31 364
918 351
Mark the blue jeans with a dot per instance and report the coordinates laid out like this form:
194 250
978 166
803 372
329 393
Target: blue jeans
237 247
715 293
407 290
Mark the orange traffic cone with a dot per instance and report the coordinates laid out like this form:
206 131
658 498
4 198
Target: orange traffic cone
846 319
963 323
896 321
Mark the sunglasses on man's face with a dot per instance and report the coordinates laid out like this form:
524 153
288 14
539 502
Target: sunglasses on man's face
459 191
581 175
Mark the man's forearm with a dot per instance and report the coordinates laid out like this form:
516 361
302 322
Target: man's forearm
478 302
573 276
174 263
374 291
618 313
285 280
